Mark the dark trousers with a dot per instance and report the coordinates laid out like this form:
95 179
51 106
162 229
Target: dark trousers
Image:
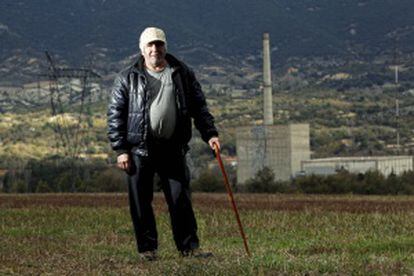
171 167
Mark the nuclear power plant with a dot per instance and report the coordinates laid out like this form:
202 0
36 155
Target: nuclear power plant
285 149
281 148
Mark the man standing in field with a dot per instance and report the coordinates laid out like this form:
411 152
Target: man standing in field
149 126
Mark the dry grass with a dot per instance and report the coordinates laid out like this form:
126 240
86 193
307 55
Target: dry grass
207 202
289 234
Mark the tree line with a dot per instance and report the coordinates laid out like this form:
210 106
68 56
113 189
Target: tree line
55 175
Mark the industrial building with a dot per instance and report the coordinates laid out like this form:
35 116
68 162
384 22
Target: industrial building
281 148
384 164
285 149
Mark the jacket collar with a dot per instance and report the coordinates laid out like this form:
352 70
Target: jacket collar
172 61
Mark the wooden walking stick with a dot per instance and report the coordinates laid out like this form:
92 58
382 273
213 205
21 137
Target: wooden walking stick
230 196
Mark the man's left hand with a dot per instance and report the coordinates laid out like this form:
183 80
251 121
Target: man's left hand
212 141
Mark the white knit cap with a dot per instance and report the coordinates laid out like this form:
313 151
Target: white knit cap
151 34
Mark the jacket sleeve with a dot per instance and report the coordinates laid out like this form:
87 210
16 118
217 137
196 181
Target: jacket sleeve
203 120
118 116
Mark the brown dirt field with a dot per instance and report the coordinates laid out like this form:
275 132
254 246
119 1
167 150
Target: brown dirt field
211 202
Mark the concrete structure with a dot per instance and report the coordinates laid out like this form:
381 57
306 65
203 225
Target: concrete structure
384 164
279 147
267 83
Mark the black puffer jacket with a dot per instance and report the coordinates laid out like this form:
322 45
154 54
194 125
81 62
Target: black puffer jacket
128 109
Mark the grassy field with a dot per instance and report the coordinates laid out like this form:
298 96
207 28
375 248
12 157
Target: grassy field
288 234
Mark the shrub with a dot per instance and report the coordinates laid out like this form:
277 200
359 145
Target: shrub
109 180
264 182
373 183
311 184
208 181
43 187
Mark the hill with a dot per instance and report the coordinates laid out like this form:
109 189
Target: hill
331 62
207 30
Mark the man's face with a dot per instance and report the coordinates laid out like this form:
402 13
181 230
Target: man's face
154 53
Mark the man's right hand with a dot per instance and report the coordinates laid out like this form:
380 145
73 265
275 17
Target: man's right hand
124 162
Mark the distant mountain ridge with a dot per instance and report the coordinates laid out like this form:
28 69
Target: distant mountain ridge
219 28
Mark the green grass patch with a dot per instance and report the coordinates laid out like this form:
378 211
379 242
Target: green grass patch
100 240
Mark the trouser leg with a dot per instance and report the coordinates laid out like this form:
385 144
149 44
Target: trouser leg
175 181
140 192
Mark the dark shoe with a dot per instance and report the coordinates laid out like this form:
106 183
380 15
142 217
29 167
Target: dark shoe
196 253
148 255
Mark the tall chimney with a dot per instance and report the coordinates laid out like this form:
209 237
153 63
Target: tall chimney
267 82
